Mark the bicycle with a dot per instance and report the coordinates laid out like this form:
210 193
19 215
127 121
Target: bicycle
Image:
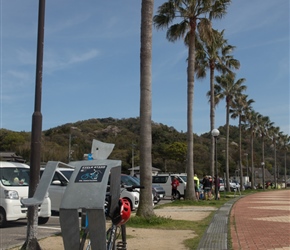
118 226
93 176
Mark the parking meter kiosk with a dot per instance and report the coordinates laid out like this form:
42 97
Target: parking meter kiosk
87 190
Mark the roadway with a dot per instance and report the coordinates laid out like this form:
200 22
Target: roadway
15 232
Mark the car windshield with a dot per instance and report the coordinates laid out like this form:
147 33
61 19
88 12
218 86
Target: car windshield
129 180
14 176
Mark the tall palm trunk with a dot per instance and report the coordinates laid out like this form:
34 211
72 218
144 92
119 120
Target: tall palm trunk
285 169
190 194
252 160
227 143
212 118
146 208
263 160
275 164
240 154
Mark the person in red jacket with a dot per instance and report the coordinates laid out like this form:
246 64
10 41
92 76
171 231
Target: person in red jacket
174 185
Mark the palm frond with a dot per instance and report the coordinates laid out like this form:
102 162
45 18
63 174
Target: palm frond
166 14
219 9
177 31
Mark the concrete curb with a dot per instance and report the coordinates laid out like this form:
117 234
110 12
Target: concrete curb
216 235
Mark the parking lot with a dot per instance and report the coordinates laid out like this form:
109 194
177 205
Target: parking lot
15 233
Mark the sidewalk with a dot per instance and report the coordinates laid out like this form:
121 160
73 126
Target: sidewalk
257 221
261 221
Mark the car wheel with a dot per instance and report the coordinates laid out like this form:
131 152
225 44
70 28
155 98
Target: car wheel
3 220
42 220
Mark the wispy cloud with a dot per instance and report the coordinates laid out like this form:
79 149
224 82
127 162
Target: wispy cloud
59 25
54 61
247 17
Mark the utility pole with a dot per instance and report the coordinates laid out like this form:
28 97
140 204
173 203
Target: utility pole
31 242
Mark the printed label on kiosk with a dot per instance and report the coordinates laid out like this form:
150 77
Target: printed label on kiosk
91 173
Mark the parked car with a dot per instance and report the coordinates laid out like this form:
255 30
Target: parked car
164 180
159 190
58 185
234 182
222 185
132 196
60 181
135 181
234 185
14 186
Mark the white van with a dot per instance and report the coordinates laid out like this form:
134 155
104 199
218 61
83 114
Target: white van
164 180
14 186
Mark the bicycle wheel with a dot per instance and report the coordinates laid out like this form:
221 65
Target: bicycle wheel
85 243
122 245
111 237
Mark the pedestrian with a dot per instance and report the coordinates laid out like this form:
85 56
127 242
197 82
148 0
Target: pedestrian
174 186
196 186
217 187
206 187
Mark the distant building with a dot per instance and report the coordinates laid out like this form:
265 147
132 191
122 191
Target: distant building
11 156
136 171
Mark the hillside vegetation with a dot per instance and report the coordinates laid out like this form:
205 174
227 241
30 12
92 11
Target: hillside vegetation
168 149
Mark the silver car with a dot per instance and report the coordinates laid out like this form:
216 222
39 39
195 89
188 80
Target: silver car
60 181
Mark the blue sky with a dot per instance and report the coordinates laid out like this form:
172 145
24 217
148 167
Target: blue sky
92 55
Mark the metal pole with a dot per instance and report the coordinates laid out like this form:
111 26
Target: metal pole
35 155
69 147
263 174
132 159
216 169
247 165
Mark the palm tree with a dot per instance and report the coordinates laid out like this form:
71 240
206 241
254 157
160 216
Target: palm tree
274 136
240 106
252 118
284 145
194 16
214 54
227 88
146 208
263 129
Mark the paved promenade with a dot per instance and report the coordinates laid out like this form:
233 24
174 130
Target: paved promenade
261 221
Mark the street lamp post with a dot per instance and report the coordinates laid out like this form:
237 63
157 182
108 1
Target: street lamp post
215 133
69 148
69 142
133 159
263 174
247 164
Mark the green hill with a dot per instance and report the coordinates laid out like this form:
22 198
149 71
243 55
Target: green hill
168 145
